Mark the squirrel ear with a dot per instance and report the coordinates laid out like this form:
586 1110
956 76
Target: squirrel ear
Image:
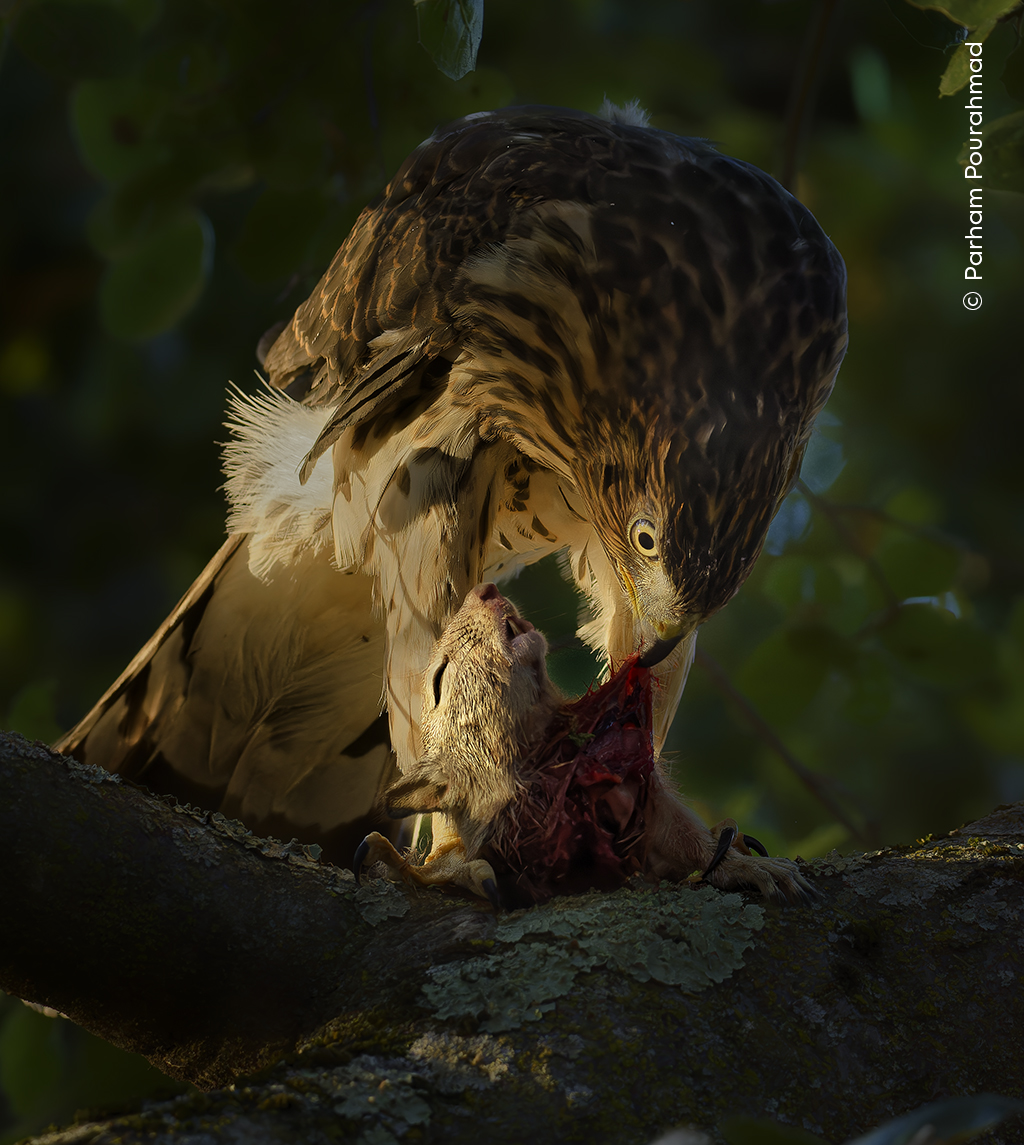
416 793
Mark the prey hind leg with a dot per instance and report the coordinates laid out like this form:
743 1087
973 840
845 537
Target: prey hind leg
680 845
733 865
446 865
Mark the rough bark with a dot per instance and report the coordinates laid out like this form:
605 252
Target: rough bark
399 1014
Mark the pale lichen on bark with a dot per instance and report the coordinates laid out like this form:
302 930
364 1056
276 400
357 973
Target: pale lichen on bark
679 936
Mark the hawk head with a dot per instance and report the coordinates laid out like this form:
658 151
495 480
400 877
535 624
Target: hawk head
675 328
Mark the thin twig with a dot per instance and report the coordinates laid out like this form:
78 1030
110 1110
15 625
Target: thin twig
849 539
805 84
814 783
371 12
929 532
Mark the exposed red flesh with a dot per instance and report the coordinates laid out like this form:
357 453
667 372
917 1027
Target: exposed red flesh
578 820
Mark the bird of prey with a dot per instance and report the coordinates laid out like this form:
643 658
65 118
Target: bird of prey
553 332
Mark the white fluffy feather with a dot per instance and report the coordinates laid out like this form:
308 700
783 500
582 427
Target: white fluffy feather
629 113
270 437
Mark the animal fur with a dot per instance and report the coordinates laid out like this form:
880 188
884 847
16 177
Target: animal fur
558 796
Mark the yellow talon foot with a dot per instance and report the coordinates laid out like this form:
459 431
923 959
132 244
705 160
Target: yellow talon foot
445 866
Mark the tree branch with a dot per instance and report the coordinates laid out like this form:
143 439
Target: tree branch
804 90
849 539
177 934
608 1017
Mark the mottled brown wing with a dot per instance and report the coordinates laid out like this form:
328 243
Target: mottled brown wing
391 298
260 699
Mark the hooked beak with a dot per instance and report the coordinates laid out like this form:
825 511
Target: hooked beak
662 646
669 632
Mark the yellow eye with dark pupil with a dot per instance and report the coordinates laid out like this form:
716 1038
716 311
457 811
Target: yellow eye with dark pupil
644 537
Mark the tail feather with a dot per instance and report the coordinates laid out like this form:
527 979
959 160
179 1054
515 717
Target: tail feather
115 734
258 698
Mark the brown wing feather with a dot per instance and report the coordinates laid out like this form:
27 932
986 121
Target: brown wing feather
119 718
259 699
466 188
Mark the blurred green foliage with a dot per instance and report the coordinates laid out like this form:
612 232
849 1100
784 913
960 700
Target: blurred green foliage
51 1070
175 176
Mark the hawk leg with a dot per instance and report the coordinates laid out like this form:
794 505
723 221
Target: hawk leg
446 865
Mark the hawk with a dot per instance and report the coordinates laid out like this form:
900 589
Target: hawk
553 332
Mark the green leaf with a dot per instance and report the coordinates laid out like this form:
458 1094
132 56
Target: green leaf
915 505
140 206
160 281
75 41
997 714
916 566
150 198
958 70
1003 149
109 232
450 30
120 222
871 84
789 580
111 121
784 673
937 647
823 644
957 73
969 13
930 29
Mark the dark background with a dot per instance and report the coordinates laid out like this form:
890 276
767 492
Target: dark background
174 179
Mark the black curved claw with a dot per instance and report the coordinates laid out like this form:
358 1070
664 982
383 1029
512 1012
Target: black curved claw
755 845
491 890
359 858
725 841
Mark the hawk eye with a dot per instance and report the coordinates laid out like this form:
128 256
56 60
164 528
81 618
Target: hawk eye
644 537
